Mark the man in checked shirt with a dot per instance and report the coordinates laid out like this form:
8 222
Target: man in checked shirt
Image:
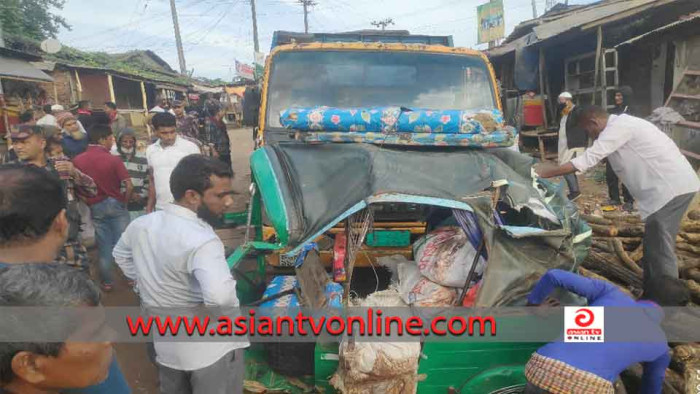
29 143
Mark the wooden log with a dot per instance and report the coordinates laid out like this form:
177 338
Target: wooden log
691 226
638 253
694 214
621 217
691 238
607 231
624 257
608 266
688 247
596 220
603 245
592 275
630 230
691 273
691 378
694 288
686 352
675 380
686 262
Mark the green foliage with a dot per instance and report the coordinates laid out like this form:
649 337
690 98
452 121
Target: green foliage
33 19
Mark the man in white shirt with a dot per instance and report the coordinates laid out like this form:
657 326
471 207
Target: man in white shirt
176 260
162 157
654 170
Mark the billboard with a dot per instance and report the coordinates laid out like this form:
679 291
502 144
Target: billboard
491 24
245 71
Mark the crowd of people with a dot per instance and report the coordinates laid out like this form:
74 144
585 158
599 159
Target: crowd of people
172 192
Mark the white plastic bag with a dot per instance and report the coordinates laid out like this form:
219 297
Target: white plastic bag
445 256
418 290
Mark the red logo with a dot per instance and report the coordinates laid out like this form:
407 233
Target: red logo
584 317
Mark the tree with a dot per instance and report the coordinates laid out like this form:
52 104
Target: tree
32 18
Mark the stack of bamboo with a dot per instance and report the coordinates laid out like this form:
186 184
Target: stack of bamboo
616 256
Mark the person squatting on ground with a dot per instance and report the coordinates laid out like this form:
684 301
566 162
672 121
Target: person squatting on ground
591 367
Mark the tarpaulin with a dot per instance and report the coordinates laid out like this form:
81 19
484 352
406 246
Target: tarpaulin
309 188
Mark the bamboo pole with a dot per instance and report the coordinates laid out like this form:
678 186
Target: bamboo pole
110 85
598 51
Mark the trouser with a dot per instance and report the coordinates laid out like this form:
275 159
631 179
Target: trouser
223 377
614 185
659 244
110 219
572 182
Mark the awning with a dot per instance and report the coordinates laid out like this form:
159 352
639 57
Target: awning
206 89
168 86
12 68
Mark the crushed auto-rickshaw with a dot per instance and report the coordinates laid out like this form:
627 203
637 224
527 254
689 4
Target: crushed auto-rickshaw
368 155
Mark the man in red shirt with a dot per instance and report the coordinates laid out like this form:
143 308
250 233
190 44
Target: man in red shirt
108 207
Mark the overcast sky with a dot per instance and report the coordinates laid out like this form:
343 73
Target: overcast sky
217 32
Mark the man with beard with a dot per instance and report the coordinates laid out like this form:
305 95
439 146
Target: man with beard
137 166
176 260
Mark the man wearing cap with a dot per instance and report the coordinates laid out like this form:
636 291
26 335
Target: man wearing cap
186 124
29 143
572 139
116 120
74 136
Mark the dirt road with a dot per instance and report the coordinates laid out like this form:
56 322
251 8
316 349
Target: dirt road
139 371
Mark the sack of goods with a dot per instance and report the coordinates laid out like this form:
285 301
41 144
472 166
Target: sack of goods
445 256
418 290
378 367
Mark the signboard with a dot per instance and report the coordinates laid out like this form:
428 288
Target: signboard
245 71
491 25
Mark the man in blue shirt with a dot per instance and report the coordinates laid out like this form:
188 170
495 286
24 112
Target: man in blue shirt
33 228
592 368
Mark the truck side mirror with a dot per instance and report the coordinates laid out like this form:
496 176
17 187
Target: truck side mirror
251 106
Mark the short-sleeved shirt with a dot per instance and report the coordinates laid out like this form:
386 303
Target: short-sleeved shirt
106 170
163 160
137 166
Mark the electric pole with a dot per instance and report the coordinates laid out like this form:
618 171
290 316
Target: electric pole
534 9
178 40
307 4
256 45
383 23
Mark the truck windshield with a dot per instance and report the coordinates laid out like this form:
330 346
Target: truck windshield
374 79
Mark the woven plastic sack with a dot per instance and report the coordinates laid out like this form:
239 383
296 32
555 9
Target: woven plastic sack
418 290
445 256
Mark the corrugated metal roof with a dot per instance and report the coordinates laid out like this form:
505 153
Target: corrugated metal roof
21 69
695 18
585 16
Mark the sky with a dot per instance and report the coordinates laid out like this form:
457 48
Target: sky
216 33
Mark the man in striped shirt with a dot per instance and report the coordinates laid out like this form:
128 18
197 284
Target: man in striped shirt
137 166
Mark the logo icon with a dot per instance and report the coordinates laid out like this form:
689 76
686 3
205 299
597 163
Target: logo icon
584 324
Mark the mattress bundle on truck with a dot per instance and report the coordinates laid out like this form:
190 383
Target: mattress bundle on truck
400 126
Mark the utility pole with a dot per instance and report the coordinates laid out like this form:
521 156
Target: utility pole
383 23
178 40
2 41
307 4
256 45
534 9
